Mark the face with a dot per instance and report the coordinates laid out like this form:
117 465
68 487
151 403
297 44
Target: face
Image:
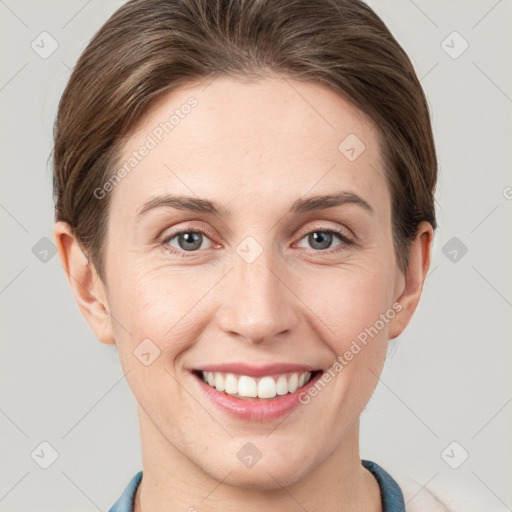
253 274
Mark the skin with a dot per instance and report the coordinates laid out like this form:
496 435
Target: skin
254 148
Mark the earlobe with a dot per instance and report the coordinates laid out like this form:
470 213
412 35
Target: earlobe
413 278
86 286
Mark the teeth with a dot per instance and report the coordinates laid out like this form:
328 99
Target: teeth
219 381
293 383
247 386
265 387
231 384
282 385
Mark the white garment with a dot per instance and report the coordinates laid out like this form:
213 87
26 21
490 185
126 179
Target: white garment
439 497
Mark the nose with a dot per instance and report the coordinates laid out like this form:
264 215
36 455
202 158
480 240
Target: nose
258 302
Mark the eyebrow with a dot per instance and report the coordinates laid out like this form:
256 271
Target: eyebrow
319 202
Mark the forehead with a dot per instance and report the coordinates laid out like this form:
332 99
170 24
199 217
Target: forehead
231 138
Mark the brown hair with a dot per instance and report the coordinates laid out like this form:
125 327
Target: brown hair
149 47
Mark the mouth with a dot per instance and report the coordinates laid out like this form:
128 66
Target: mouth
264 387
255 393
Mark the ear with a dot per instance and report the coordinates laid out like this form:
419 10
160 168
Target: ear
87 287
411 280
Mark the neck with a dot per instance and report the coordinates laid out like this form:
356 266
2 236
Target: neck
172 482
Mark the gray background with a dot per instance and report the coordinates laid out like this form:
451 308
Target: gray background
448 376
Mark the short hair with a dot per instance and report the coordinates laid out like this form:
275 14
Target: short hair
150 47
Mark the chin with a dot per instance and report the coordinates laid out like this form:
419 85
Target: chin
264 478
270 472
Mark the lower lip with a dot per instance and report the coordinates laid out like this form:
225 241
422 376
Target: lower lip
255 409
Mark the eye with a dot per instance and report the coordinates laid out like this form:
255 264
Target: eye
322 239
192 241
185 241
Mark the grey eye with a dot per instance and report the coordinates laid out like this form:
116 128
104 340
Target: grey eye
321 239
188 240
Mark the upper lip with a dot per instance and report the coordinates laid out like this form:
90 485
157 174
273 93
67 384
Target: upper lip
257 371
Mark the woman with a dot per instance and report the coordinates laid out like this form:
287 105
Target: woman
245 208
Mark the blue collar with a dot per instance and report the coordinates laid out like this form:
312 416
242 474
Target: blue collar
391 494
126 501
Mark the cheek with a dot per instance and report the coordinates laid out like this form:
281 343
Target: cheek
350 302
165 306
355 311
155 321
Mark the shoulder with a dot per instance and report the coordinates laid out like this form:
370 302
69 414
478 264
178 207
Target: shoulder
444 492
418 499
443 495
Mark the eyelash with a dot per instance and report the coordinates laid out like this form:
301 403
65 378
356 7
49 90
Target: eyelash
346 242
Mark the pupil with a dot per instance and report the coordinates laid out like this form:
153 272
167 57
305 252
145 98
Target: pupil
191 238
322 237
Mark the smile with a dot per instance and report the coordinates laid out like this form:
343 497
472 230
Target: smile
245 386
262 393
